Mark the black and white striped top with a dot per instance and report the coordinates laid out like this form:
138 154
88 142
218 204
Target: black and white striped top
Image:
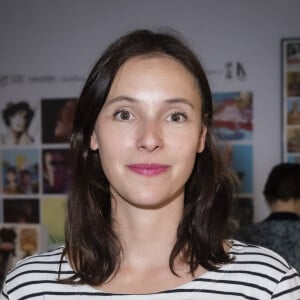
255 273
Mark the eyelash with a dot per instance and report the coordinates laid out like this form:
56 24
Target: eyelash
178 114
119 111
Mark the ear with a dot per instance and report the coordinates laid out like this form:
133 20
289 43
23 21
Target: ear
93 142
202 139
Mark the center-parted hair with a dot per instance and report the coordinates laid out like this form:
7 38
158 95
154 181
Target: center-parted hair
92 246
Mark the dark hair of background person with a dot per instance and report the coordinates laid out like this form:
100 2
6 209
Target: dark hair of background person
92 246
283 183
13 108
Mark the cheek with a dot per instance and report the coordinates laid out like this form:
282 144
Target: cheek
186 141
12 122
187 150
186 154
115 139
111 146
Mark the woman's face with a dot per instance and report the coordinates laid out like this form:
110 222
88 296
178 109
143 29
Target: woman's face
149 131
11 176
18 121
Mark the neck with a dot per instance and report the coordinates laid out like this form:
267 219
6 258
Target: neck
292 206
16 136
147 235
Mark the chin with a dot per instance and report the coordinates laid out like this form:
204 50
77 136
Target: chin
150 204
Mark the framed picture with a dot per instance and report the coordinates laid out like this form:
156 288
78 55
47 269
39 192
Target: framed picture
20 171
18 123
57 118
233 126
290 61
56 168
233 115
19 240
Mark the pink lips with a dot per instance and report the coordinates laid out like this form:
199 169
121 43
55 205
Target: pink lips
148 169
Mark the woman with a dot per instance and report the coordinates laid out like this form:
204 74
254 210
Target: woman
17 118
150 200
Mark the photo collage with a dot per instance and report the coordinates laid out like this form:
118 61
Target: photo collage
291 99
35 163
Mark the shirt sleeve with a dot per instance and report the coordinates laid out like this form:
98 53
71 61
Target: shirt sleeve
288 288
3 294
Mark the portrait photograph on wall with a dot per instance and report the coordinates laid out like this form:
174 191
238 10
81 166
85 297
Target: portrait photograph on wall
57 118
293 84
18 241
18 123
20 171
292 51
56 168
293 111
293 139
21 210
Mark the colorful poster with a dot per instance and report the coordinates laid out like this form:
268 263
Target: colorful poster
20 171
233 115
239 158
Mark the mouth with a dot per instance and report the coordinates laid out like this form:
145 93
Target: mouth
148 169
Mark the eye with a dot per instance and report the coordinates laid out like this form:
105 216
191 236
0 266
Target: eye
123 115
177 117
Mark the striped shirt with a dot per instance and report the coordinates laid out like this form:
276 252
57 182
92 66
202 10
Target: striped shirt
255 273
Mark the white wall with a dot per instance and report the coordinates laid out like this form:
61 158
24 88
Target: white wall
64 37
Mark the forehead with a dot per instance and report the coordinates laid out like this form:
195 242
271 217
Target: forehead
159 62
158 73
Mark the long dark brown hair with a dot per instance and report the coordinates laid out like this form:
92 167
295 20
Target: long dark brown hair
92 247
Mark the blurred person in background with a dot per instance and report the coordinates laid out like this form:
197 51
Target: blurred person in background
280 231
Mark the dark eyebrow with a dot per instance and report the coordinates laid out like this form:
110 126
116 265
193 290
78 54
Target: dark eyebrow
121 98
133 100
180 100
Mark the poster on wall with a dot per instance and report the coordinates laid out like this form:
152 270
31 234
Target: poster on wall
239 158
233 125
290 59
18 241
20 171
18 122
56 168
53 212
21 210
57 118
233 115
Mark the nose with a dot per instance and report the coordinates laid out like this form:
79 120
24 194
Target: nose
150 136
